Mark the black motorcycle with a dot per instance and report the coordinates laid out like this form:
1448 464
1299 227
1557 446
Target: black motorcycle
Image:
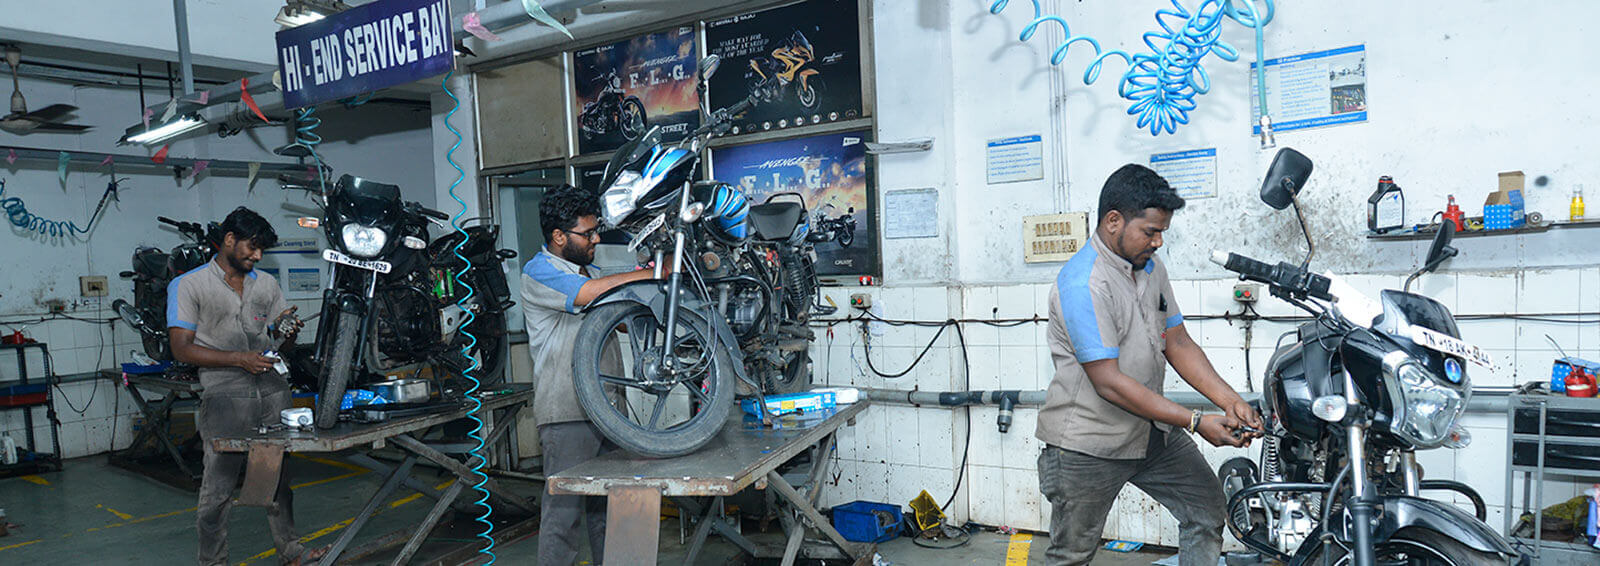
1363 386
657 360
152 271
613 110
391 305
843 227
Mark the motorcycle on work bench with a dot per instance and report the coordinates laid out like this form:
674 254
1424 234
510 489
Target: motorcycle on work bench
152 271
1364 385
393 304
656 361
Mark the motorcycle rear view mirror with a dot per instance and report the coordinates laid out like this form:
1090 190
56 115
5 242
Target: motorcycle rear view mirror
1437 253
1285 178
708 66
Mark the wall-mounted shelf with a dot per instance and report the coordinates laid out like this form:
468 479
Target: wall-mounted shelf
82 160
1427 232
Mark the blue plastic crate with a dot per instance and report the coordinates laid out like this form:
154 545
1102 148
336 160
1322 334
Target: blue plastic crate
857 521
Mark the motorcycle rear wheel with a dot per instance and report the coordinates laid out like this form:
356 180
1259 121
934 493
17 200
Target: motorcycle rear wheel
698 413
336 369
1417 547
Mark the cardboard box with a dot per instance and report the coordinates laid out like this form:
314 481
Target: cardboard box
1503 208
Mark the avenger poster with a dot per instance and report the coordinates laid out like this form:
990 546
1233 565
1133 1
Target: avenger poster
802 63
830 172
623 88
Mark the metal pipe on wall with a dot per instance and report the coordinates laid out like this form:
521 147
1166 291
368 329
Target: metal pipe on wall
180 13
1485 400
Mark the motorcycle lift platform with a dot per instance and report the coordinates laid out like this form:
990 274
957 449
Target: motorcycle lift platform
150 461
741 455
499 413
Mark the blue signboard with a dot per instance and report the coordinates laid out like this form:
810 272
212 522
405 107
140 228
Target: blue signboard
366 48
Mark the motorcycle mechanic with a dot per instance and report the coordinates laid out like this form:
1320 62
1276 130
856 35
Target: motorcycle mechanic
556 284
218 317
1114 326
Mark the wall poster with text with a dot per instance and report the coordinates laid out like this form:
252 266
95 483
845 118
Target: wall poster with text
622 89
801 62
830 172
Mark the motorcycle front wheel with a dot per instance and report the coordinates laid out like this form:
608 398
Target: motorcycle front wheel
1415 547
337 367
642 407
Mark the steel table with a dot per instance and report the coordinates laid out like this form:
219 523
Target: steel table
741 455
157 420
266 453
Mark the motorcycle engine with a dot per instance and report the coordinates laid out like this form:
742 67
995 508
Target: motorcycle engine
1295 523
407 324
744 309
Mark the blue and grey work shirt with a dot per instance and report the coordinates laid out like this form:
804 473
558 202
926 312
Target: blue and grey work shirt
225 320
1102 308
550 286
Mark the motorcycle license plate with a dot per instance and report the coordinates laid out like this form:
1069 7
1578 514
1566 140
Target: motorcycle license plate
373 265
645 233
1453 346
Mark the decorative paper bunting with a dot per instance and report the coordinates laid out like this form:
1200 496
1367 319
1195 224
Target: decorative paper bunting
160 156
148 112
244 94
205 96
537 12
251 179
473 25
61 165
106 161
199 166
11 156
172 108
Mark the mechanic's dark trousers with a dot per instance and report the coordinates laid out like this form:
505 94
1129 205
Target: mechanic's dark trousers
566 445
224 415
1081 489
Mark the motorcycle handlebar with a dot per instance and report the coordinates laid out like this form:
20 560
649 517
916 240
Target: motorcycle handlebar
741 107
425 211
1284 276
169 221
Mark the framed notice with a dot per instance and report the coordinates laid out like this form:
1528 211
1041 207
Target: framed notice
1311 90
801 62
830 172
1192 173
623 89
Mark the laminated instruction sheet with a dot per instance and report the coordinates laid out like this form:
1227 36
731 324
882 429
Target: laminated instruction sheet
1314 89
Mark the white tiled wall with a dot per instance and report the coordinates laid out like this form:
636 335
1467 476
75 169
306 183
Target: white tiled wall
895 451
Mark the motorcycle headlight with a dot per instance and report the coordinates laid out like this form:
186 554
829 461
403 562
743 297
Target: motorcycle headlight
1425 408
622 197
363 241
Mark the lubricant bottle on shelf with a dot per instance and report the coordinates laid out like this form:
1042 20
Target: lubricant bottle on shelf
1576 210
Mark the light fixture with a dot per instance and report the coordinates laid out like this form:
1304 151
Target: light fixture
301 12
159 133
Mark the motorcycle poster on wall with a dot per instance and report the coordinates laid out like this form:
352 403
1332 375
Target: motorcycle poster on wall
622 89
802 63
830 172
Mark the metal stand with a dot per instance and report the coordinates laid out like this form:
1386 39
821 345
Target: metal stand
37 461
739 457
158 420
266 462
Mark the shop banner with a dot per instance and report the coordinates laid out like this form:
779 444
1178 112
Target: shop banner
830 172
623 89
363 49
801 62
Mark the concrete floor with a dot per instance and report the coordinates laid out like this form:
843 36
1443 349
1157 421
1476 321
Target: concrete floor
94 513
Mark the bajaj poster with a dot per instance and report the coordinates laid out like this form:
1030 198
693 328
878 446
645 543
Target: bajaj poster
830 172
802 63
624 88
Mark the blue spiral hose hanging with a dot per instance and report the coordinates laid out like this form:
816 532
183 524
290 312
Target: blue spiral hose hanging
477 458
305 134
1163 83
17 213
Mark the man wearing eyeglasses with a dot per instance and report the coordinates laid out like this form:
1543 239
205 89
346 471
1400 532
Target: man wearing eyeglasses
556 285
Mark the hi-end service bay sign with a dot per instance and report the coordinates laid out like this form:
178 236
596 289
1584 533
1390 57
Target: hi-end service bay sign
366 48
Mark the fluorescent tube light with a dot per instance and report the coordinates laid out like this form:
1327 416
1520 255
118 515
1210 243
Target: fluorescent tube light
156 134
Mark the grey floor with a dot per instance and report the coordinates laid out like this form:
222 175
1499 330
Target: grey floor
95 513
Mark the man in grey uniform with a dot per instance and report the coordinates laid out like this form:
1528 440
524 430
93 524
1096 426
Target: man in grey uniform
221 317
1114 327
556 284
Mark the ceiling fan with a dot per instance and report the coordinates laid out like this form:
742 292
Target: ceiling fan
22 122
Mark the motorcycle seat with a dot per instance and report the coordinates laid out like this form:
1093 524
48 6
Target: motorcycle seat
775 221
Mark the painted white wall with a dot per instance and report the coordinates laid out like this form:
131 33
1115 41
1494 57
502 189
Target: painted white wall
385 142
235 34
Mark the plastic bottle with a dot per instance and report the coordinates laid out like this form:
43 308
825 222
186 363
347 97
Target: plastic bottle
1576 210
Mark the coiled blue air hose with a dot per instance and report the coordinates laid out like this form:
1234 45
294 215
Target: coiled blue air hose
477 458
1163 83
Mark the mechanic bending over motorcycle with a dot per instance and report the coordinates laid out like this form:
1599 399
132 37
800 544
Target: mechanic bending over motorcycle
556 284
1114 326
223 317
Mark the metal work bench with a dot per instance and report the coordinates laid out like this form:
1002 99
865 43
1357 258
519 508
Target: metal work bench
740 456
156 424
499 413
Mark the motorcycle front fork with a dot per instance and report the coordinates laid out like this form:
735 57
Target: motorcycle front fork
1360 504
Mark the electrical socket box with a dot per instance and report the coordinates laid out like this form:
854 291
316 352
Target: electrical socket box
92 285
55 306
861 301
1246 292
